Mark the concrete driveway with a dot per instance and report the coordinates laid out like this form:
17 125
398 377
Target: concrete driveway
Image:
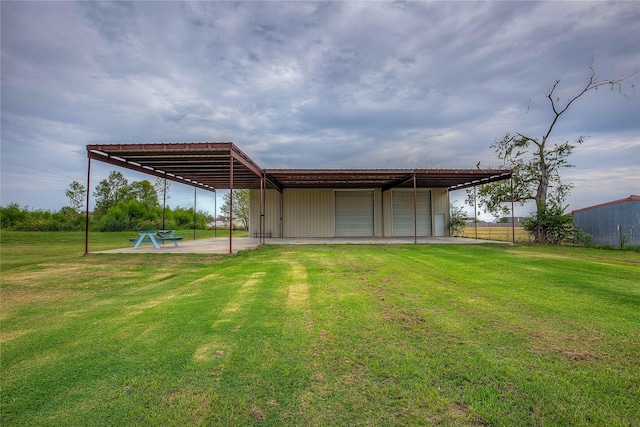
221 245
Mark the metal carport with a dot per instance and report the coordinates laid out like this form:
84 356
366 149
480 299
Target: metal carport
222 165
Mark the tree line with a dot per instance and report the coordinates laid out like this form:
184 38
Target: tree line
119 206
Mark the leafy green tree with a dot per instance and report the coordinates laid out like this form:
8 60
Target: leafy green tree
183 218
77 194
115 189
130 214
12 215
144 192
536 162
240 206
110 191
457 219
558 227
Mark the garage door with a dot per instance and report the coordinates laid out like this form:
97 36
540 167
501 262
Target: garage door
354 213
403 221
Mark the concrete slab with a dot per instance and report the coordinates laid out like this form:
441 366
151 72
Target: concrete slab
218 245
375 241
221 245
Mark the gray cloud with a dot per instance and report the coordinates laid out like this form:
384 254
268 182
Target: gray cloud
304 84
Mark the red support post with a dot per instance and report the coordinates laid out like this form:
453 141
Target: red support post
231 203
262 195
513 222
86 218
415 210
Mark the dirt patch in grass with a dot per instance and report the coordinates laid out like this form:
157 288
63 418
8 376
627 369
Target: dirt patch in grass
405 317
192 403
572 347
258 414
209 351
458 414
576 355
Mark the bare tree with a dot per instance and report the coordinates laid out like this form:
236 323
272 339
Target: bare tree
536 162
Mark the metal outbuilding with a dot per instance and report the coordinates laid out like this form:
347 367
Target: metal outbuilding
615 223
341 192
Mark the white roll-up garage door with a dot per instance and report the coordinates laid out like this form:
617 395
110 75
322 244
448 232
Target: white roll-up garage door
403 216
354 213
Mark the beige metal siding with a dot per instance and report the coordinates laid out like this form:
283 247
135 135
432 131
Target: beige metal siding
378 213
440 204
311 212
308 213
387 214
272 212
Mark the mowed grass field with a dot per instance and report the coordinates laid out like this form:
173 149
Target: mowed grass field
326 335
504 234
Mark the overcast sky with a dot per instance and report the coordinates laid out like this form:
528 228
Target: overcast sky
313 85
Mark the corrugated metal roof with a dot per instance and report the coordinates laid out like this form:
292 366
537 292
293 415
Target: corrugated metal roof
631 198
384 178
207 165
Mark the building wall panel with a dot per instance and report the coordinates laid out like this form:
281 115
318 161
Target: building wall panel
308 212
387 214
311 212
378 213
440 204
272 212
610 224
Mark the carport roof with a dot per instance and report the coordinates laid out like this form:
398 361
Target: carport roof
207 165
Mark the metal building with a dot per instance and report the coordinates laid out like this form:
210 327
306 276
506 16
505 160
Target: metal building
614 223
305 202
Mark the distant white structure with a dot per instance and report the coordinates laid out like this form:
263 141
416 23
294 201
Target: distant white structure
219 222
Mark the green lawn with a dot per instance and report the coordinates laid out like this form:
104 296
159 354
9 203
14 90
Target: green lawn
379 335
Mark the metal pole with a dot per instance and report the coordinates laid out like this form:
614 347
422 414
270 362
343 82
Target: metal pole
164 204
475 211
382 209
513 222
415 210
194 212
262 200
231 203
264 209
215 213
86 217
281 214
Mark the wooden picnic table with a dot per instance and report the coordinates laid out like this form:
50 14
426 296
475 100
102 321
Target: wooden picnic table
155 236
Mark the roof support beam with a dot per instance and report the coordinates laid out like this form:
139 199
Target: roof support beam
235 153
482 180
398 182
123 163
